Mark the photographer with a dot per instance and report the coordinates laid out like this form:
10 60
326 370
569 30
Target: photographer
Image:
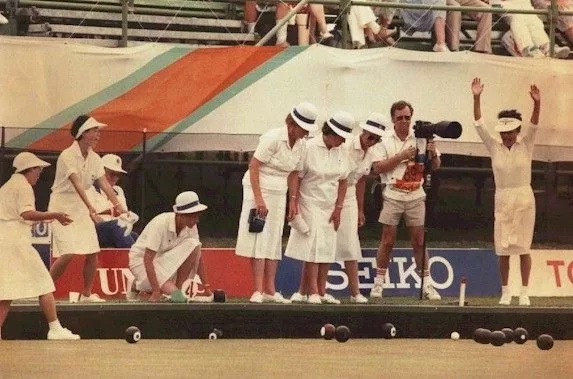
402 167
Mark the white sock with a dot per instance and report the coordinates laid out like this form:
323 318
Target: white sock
282 34
55 325
505 290
251 27
523 291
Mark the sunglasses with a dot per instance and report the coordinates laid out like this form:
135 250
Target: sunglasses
403 118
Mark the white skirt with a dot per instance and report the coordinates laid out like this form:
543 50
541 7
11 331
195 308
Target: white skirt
22 272
80 236
347 241
268 243
514 220
166 264
319 245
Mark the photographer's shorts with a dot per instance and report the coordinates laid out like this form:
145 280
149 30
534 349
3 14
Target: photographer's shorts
414 212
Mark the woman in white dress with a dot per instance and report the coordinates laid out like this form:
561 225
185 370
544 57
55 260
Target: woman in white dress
272 170
321 187
78 167
23 273
361 154
514 211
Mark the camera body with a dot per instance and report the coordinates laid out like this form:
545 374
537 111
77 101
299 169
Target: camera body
444 129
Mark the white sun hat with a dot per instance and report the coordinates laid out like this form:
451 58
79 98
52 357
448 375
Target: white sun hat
88 124
507 124
342 123
112 162
305 115
26 160
376 124
188 202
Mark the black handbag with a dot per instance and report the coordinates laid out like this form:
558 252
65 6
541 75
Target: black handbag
256 222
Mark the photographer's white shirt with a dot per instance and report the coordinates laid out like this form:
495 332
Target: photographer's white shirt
404 182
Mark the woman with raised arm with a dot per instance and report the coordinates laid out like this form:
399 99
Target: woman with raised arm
23 273
514 201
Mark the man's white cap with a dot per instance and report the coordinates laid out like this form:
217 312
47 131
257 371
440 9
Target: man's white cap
188 202
376 123
507 124
342 123
90 123
112 162
26 160
305 115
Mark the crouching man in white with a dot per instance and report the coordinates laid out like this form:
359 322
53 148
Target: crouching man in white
168 251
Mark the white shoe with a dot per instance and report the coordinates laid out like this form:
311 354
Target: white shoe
377 288
524 300
505 299
329 299
359 299
62 334
298 298
536 53
561 52
276 298
93 298
314 299
509 44
430 293
257 297
441 48
202 299
3 20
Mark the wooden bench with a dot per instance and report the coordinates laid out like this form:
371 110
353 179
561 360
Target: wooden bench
192 22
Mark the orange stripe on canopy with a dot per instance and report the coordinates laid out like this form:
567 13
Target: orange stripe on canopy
167 96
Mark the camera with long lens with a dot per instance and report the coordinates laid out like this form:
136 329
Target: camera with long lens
444 129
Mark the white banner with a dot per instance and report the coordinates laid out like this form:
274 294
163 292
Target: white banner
551 273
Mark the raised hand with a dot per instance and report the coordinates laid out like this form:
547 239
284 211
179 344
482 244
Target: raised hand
477 87
534 93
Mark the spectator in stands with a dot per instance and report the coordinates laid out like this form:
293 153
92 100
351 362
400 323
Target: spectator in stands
112 231
322 185
527 36
426 20
361 22
564 22
454 25
167 252
77 168
358 147
404 164
514 201
272 170
22 272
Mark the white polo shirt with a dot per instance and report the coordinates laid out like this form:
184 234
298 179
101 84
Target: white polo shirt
160 236
321 170
16 197
278 159
101 203
404 182
511 167
71 161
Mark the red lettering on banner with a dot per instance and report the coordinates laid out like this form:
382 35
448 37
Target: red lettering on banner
556 265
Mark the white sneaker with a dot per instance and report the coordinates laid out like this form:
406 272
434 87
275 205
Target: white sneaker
93 298
297 297
62 334
329 299
505 299
314 299
257 297
536 53
441 48
3 20
359 299
561 52
430 293
377 288
276 298
523 300
508 42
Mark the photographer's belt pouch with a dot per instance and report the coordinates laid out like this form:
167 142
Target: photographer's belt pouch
256 222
